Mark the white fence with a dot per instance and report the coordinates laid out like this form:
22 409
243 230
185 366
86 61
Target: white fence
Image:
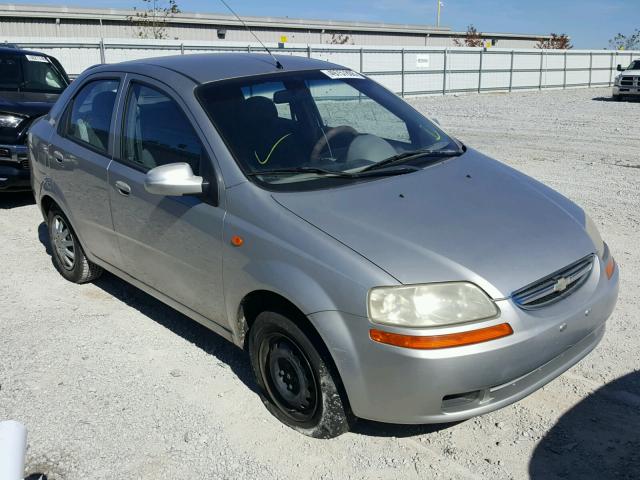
410 71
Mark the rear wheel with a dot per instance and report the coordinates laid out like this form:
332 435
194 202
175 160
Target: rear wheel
296 382
68 256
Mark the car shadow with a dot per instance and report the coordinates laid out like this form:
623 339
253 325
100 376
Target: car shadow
370 428
222 349
598 438
611 99
180 324
9 200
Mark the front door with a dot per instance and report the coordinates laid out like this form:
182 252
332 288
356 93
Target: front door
170 243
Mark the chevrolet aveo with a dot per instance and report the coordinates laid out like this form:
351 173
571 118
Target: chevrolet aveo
371 265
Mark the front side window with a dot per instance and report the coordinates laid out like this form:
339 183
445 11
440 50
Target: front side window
157 132
316 129
30 73
89 118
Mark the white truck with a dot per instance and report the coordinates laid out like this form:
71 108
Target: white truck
627 84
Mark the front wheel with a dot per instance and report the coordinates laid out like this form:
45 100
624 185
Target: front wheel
617 98
296 383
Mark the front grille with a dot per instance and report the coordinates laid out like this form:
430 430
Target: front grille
630 81
554 287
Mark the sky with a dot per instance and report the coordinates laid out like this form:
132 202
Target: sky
589 23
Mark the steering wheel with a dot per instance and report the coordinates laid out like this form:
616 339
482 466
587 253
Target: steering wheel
323 141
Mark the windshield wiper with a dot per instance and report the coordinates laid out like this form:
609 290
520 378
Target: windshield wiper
410 155
333 173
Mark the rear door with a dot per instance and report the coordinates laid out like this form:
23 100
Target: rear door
170 243
81 149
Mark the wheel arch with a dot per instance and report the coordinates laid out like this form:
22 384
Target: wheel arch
259 301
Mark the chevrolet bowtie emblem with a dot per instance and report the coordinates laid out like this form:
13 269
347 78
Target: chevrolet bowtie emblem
561 284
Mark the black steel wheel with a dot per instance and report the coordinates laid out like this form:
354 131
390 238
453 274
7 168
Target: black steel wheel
298 383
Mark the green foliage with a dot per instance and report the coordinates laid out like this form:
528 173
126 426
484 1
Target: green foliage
626 42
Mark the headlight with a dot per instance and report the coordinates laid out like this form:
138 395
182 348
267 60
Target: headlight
10 121
594 235
616 81
430 305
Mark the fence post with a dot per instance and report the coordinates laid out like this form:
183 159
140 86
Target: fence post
361 60
402 72
564 71
182 49
511 72
590 67
102 55
480 71
444 73
611 67
541 65
308 51
248 48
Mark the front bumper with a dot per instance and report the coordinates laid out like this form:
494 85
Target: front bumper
14 168
626 91
398 385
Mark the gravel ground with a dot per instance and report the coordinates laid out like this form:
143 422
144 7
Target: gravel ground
113 384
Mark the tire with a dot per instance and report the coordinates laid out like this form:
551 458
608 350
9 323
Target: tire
296 381
66 251
617 98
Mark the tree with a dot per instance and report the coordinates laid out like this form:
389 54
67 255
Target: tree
557 42
152 20
473 38
626 42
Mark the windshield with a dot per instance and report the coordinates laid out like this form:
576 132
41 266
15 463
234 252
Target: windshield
634 65
29 73
292 130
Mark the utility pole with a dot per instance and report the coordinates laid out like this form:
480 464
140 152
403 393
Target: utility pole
439 7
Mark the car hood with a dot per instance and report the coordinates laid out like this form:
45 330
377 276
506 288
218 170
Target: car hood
467 218
629 72
30 104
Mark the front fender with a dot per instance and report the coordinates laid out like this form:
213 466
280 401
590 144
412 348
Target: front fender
286 255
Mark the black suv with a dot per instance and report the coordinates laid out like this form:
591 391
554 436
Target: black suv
30 83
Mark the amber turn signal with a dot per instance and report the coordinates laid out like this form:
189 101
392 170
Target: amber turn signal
610 268
237 241
431 342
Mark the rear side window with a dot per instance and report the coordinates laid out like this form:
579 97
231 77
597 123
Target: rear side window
89 118
157 132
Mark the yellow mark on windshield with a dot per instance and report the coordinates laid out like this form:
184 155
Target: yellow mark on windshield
275 145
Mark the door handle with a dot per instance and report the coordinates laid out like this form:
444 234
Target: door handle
58 156
123 188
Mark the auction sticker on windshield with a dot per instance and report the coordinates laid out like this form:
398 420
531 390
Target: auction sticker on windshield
339 74
37 58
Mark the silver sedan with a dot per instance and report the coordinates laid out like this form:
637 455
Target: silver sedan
372 265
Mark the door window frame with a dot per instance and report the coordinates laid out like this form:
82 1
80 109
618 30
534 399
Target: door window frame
208 170
63 123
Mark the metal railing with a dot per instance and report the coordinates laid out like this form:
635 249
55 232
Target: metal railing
415 71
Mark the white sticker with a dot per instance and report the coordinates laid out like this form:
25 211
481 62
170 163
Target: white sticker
339 74
37 58
422 61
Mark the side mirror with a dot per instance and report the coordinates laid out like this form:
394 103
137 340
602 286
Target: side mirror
619 68
174 179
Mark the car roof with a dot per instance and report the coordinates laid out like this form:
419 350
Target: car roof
20 51
209 67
